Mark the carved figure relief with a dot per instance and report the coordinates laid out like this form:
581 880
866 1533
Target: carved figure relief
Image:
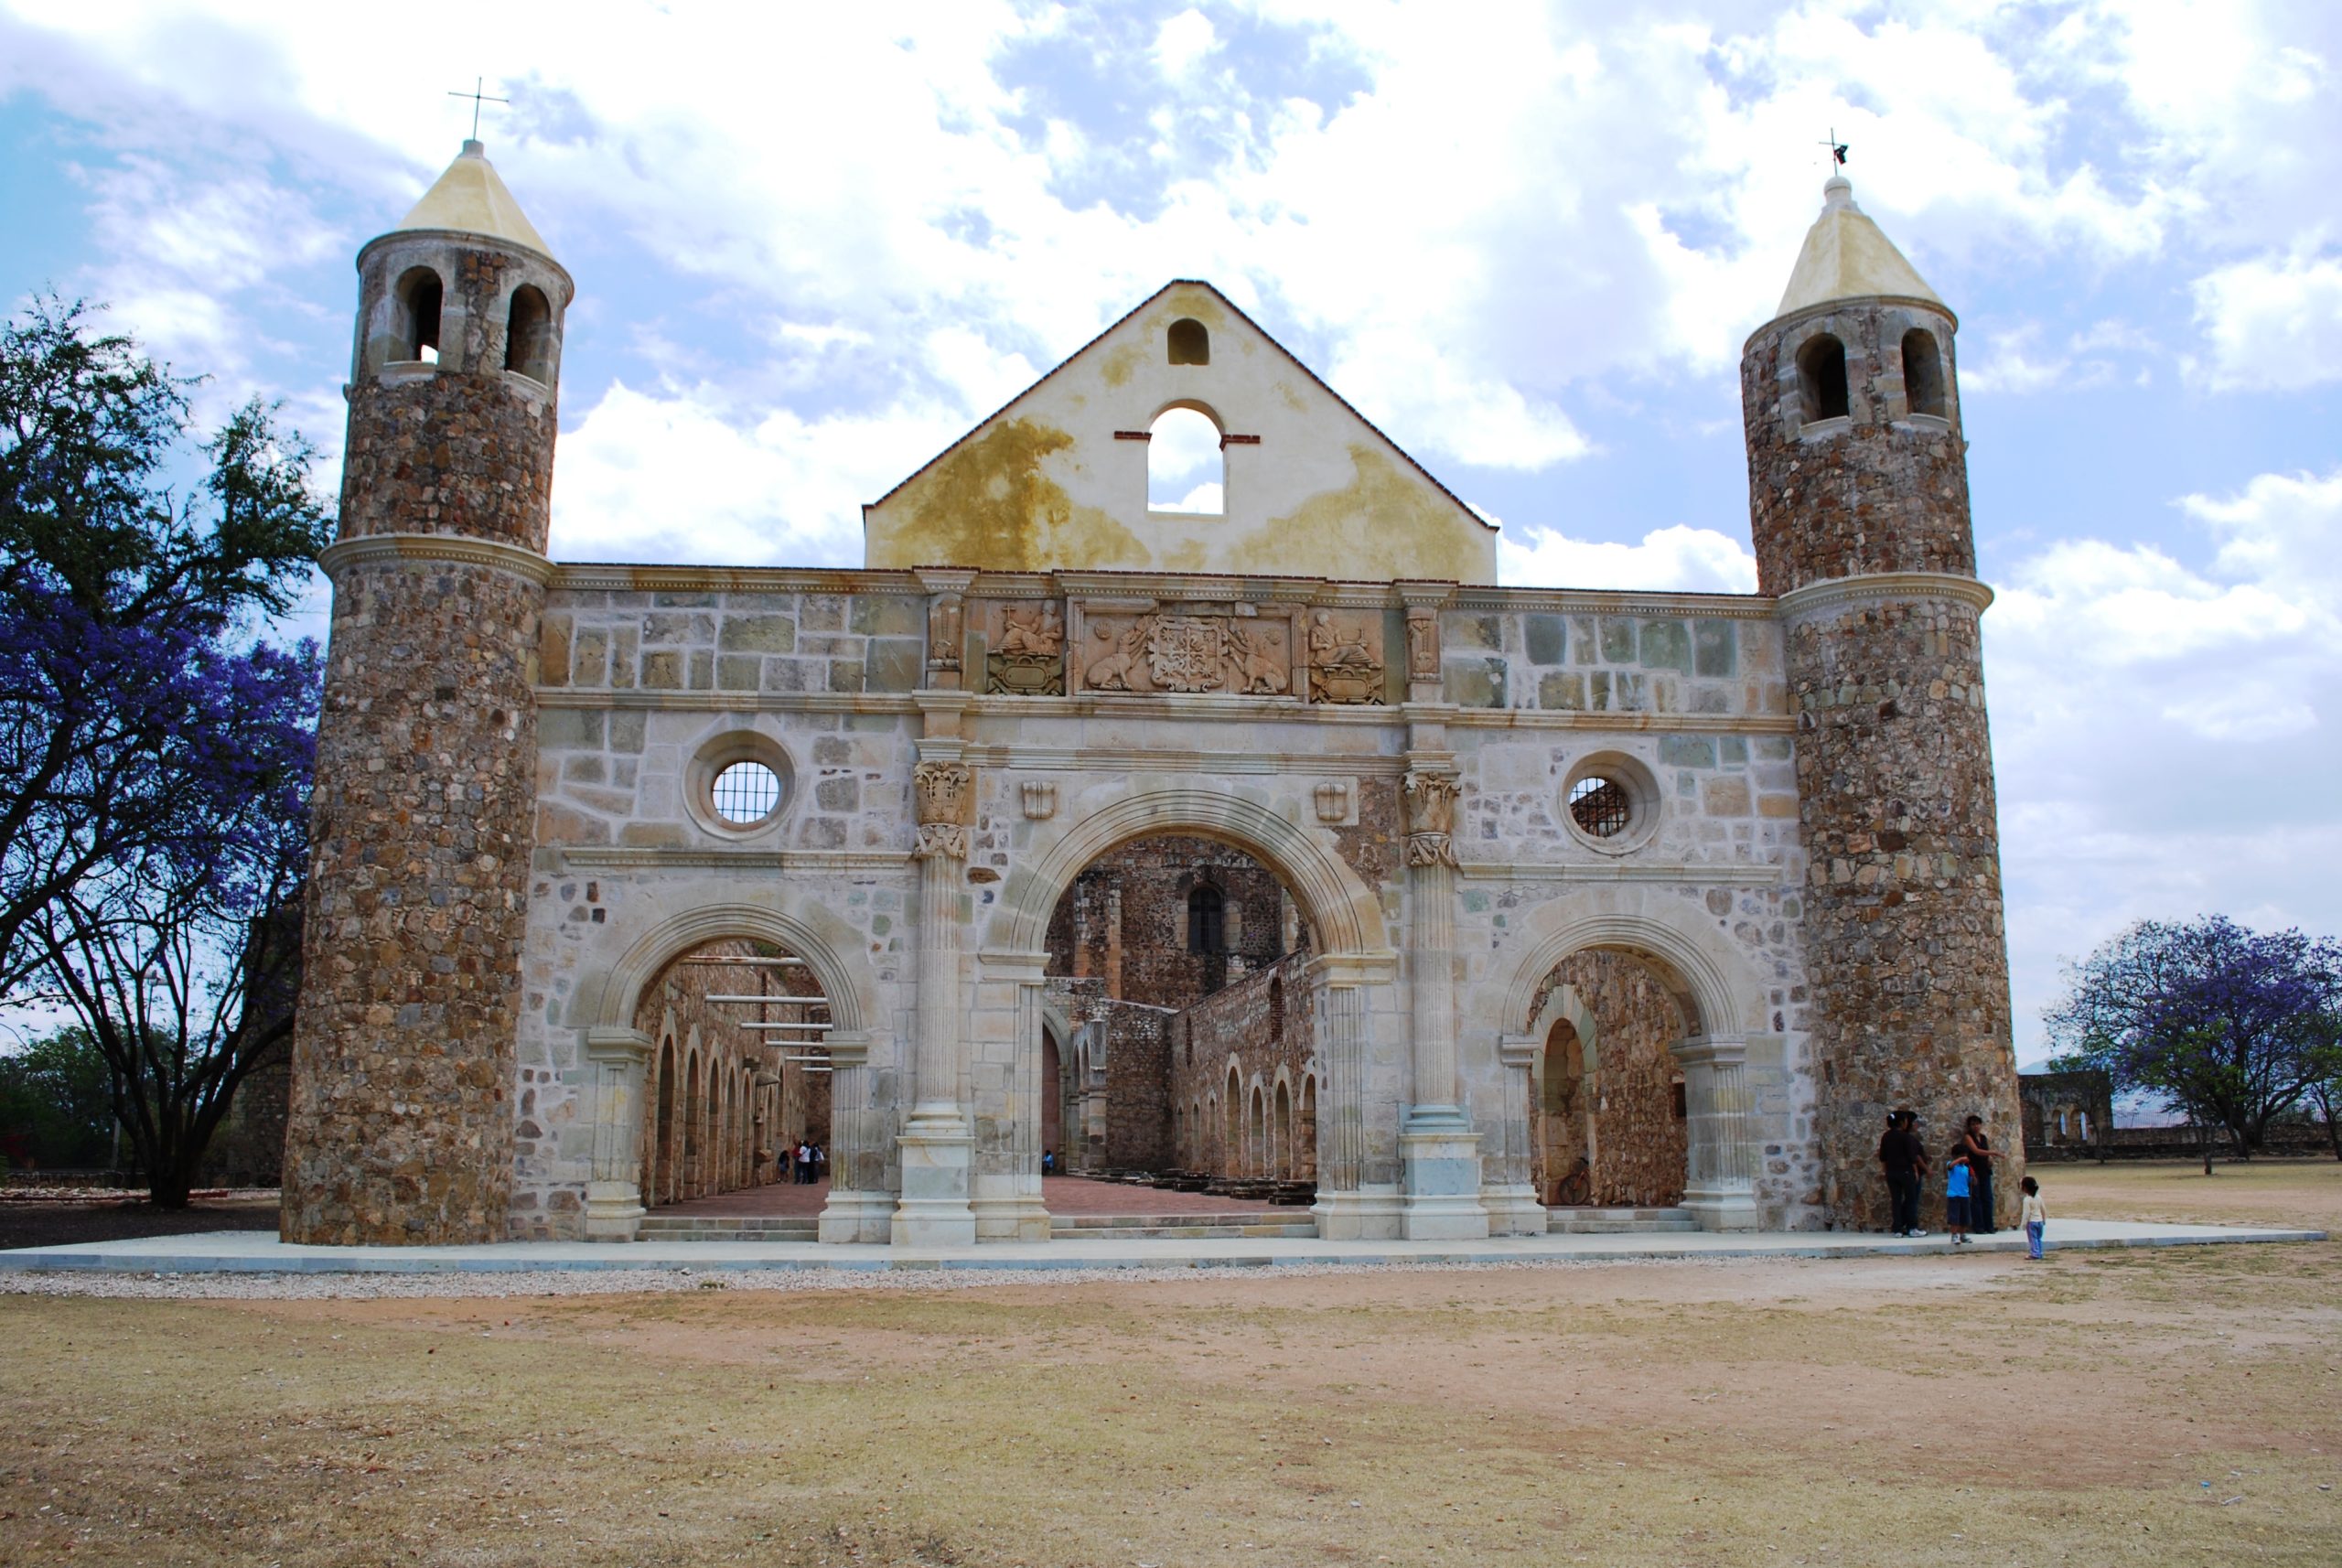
1343 666
1027 658
1422 643
945 615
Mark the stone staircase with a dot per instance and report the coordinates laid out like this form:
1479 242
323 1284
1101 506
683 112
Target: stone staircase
1620 1222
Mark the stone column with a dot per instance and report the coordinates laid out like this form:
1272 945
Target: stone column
1720 1190
1506 1193
1438 1150
614 1208
937 1148
859 1207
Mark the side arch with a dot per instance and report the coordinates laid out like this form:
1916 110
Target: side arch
830 949
1718 990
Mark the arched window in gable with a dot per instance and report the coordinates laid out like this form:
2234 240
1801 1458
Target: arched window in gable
1184 471
1923 373
1822 378
1191 343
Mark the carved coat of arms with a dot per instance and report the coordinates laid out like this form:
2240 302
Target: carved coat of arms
1183 653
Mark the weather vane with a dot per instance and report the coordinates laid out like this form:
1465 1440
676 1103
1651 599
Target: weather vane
1837 150
479 98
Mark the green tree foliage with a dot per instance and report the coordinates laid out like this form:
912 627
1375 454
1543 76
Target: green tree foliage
57 1103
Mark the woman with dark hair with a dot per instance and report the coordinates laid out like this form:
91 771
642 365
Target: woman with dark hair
1981 1155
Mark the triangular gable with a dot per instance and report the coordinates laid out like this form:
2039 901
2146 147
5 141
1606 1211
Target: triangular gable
1057 479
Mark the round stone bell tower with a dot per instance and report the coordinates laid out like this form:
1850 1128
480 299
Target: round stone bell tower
1858 498
401 1121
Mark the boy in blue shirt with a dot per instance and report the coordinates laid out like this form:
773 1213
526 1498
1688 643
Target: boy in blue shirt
1955 1198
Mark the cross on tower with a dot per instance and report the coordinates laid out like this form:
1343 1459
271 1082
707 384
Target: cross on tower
479 98
1837 151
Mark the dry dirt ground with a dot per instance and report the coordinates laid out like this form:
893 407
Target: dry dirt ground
2146 1407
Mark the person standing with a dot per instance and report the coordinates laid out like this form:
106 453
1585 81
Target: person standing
1956 1177
1981 1155
2037 1218
1904 1162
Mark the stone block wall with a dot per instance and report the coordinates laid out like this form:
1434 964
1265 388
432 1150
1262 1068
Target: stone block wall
767 638
1578 660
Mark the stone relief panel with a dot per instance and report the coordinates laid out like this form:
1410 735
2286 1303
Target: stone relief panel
1025 644
1345 657
1141 646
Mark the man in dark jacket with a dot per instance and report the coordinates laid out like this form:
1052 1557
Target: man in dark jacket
1905 1165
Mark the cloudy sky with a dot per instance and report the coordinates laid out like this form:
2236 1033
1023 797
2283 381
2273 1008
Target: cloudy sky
813 244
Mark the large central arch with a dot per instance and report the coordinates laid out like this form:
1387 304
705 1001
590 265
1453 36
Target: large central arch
1354 960
1342 909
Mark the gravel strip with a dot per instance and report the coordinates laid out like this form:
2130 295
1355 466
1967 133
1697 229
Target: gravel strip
621 1281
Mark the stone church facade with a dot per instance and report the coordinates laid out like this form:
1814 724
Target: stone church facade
1478 800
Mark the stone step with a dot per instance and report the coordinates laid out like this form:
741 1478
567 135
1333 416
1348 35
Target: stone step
726 1228
1081 1229
1619 1222
1121 1223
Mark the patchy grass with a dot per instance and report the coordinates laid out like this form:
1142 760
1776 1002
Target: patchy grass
1936 1411
2262 1192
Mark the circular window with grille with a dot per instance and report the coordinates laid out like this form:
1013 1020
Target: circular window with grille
1610 802
738 784
746 793
1600 806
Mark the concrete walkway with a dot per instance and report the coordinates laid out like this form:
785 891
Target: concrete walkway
249 1251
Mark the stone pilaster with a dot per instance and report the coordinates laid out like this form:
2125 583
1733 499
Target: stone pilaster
1720 1188
1507 1192
937 1146
859 1208
613 1193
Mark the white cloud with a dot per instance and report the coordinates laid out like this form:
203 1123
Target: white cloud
1183 40
2272 325
2166 736
1687 559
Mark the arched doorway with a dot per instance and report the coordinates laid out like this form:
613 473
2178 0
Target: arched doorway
1610 1118
1171 956
738 1072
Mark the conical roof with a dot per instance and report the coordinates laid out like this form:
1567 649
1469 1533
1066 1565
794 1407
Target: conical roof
471 199
1847 257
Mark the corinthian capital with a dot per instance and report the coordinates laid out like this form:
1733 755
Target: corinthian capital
941 792
1431 803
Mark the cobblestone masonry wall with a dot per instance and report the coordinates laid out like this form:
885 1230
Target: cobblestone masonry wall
1261 1023
1638 1145
401 1118
1903 914
1875 491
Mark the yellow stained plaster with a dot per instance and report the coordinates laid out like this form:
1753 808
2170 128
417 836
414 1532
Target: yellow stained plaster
988 504
1386 523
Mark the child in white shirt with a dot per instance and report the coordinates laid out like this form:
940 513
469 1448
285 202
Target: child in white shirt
2037 1218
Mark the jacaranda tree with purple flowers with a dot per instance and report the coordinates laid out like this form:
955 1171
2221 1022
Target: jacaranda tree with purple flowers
2230 1025
155 755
